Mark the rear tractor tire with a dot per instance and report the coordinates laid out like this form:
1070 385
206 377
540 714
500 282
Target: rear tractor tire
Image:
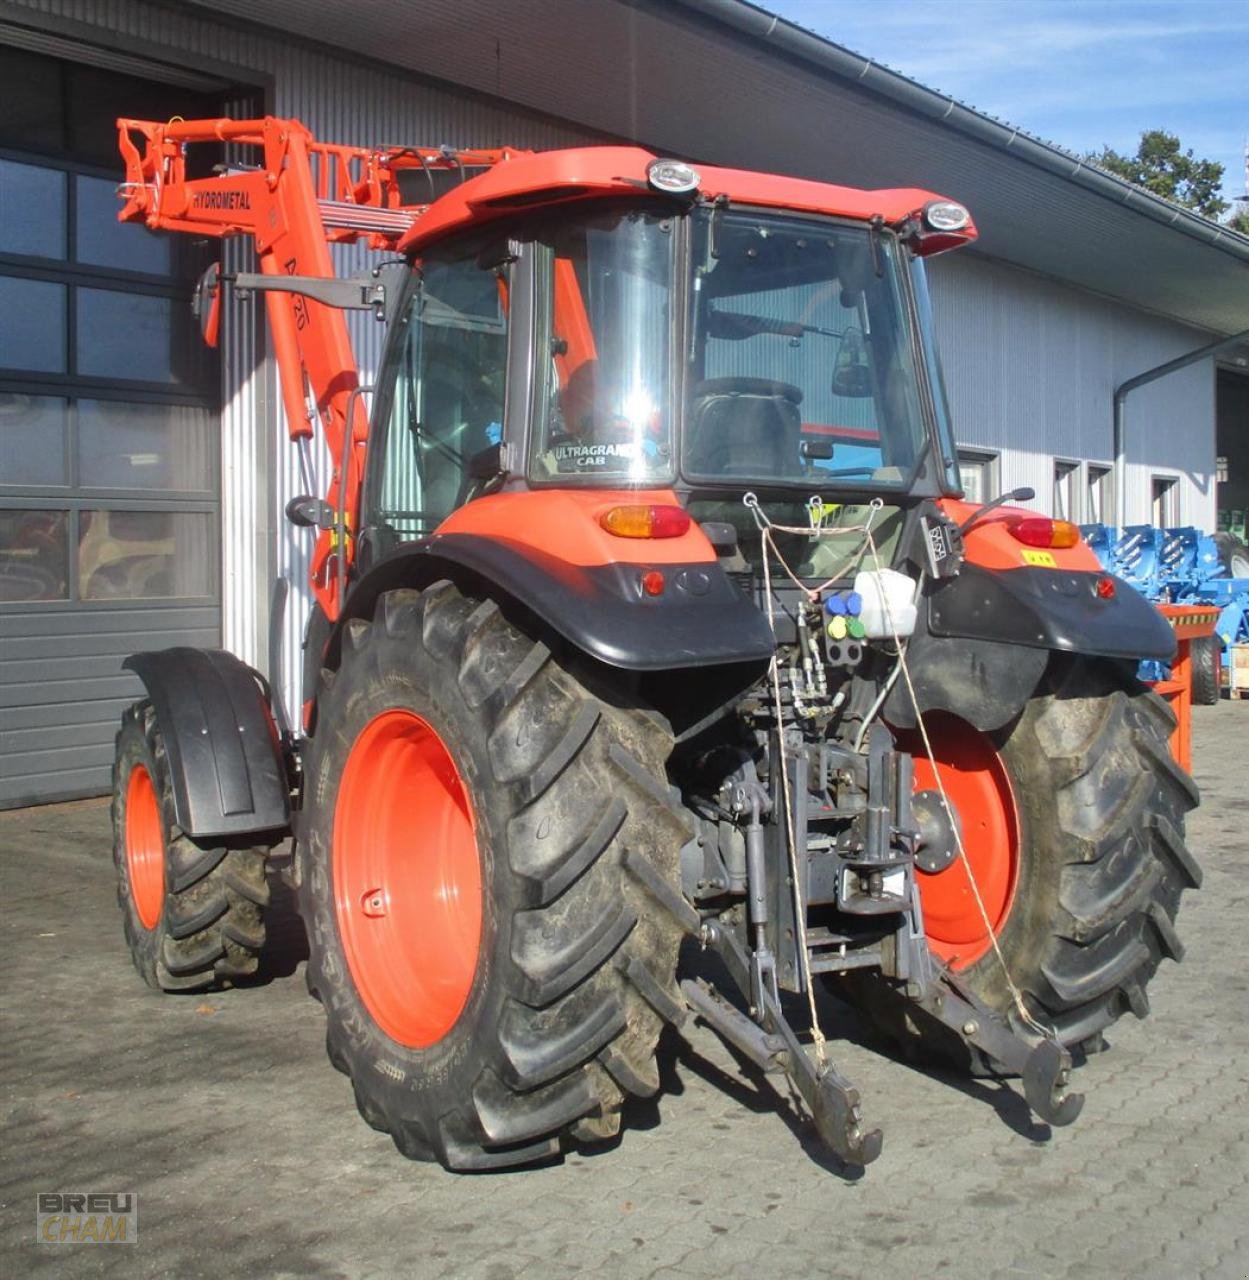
1073 819
489 848
192 910
1206 657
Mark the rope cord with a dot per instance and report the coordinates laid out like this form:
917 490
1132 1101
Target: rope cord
767 541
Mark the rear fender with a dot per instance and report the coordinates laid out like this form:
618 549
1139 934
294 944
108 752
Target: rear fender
700 618
225 758
1027 597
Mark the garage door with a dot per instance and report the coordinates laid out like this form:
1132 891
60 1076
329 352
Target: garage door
109 511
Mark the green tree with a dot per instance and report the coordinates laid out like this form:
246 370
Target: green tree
1239 222
1161 167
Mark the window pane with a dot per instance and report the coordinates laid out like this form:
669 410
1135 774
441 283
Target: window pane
146 555
139 337
32 210
144 446
32 325
34 555
103 241
32 439
448 404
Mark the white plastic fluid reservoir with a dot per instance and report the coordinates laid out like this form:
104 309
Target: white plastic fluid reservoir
888 598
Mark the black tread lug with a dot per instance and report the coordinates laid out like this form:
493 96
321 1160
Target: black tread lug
168 981
254 888
1177 851
1168 940
189 863
468 1159
534 1059
651 787
507 1117
552 969
192 956
1081 973
562 754
520 679
1164 762
398 611
184 919
355 633
1097 900
246 934
640 1081
649 877
670 1007
556 872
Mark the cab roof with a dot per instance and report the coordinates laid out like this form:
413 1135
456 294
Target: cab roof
526 181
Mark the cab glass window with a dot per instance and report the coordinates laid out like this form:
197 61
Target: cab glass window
446 414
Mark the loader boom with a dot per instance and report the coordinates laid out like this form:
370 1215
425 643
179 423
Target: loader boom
295 197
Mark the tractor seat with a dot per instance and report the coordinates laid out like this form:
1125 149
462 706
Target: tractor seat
744 427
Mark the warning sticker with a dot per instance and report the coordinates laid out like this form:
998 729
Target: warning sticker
1043 559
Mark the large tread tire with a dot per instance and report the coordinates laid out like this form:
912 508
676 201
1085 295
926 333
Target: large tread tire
211 926
1233 555
1205 654
1103 862
579 837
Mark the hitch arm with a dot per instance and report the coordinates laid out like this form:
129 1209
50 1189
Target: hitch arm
772 1045
1043 1065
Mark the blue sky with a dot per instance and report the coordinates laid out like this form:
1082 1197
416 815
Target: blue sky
1080 73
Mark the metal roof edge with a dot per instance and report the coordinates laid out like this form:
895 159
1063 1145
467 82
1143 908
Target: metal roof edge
770 28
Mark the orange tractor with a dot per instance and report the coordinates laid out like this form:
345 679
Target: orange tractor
644 606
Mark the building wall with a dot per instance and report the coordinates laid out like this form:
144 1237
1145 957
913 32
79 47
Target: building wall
1031 366
341 100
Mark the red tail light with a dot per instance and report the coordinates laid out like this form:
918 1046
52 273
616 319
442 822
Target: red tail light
646 522
1041 531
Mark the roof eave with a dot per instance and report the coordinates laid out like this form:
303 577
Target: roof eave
776 32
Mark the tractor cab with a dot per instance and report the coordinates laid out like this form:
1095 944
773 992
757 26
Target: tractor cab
695 346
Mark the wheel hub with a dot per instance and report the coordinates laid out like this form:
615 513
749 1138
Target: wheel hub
937 844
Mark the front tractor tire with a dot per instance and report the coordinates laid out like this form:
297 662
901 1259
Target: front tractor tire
192 910
486 853
1073 819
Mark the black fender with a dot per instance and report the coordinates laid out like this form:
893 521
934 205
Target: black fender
699 619
983 639
1056 609
225 758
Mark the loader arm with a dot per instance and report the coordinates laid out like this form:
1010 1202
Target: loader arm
294 197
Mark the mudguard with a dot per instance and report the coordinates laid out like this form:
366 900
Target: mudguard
1043 608
983 639
225 761
699 619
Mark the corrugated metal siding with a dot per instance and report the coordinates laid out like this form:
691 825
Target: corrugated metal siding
1031 366
65 689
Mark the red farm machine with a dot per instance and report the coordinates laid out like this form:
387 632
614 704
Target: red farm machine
645 607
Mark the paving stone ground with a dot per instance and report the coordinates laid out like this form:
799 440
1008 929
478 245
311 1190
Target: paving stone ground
249 1159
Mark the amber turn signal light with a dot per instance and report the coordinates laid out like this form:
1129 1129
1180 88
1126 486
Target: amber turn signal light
646 521
1041 531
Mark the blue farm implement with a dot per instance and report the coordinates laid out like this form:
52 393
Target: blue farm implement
1180 566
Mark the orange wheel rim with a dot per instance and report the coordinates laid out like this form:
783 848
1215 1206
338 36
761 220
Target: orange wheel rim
407 879
145 847
979 791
